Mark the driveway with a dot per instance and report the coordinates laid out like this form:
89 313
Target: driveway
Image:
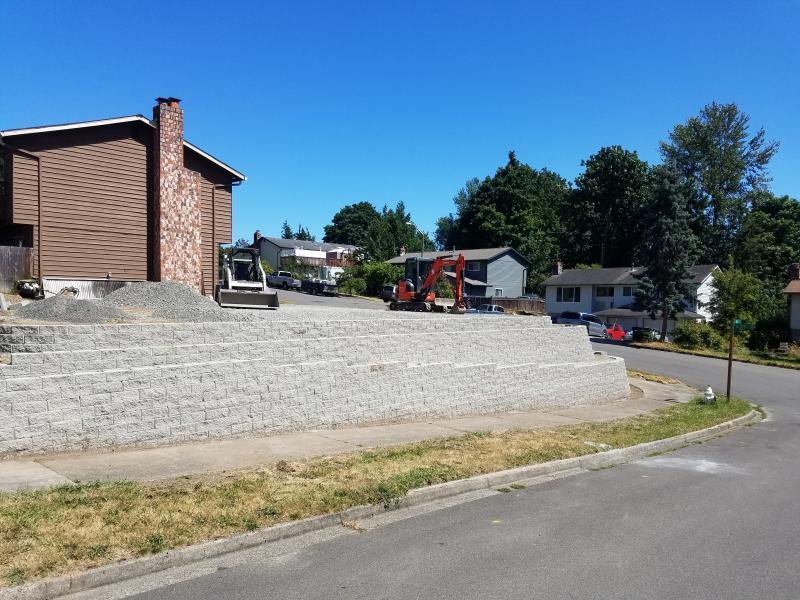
302 299
717 520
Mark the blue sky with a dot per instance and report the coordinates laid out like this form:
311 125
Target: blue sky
323 104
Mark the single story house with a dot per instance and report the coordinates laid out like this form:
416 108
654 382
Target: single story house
793 292
278 252
608 294
498 272
126 198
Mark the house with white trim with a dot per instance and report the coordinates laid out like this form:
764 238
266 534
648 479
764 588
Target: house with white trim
609 293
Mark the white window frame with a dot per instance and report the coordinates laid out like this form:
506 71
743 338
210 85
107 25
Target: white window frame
576 294
630 291
500 294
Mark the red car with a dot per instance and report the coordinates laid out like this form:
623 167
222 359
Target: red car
616 332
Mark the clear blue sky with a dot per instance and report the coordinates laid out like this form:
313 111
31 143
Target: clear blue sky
323 104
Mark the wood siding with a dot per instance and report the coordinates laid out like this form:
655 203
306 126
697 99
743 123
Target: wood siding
94 202
216 217
24 205
97 202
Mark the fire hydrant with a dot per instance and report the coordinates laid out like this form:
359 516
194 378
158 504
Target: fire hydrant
708 395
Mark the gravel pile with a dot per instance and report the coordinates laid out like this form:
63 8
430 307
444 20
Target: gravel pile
172 302
67 309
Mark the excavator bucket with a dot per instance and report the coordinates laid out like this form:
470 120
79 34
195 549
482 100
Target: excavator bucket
243 299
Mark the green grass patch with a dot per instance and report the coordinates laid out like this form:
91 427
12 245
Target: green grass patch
77 526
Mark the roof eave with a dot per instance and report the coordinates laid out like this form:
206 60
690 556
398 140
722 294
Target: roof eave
116 121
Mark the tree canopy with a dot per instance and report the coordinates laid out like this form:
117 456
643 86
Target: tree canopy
602 222
715 152
516 207
351 224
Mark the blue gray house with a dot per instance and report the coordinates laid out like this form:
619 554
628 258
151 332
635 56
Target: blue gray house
497 272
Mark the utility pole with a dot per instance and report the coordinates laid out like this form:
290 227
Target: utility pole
730 357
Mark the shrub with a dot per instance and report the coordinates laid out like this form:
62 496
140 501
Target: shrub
444 288
374 275
768 333
692 334
352 285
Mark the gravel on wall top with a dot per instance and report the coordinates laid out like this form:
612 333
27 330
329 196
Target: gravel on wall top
69 310
171 301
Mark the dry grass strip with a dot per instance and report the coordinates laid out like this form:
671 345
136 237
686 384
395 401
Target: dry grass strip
72 527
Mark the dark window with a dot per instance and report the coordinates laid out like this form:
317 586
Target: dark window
605 291
627 291
473 266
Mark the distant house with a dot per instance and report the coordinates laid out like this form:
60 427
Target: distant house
279 252
608 293
793 292
498 272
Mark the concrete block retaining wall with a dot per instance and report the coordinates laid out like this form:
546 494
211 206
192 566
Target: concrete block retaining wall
121 386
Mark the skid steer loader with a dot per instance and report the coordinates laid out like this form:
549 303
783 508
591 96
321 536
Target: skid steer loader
244 283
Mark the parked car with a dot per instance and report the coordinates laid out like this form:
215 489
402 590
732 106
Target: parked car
388 292
488 309
644 334
283 279
594 325
617 332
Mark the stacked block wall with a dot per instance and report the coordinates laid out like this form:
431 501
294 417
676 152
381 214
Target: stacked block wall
72 387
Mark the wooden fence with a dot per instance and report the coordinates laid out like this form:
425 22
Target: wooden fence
527 304
15 263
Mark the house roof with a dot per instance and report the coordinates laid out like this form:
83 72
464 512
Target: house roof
616 276
307 245
127 119
472 254
627 311
793 287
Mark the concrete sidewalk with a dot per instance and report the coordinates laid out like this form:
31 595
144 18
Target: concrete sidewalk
150 464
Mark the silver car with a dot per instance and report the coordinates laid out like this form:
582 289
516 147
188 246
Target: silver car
594 325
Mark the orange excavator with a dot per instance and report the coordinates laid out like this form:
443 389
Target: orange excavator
415 290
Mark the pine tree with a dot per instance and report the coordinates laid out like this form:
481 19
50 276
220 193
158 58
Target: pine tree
286 231
667 252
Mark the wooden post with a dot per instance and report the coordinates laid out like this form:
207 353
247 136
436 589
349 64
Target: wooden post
730 358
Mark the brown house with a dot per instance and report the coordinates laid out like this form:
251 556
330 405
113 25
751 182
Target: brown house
126 196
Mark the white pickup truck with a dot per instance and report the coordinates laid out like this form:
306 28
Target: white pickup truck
283 280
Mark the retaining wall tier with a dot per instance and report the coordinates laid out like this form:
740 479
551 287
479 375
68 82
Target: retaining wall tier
72 387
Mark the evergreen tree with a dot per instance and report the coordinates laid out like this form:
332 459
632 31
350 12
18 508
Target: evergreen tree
667 251
286 231
303 234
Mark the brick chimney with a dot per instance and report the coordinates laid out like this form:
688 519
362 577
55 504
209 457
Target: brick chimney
178 247
256 237
558 268
794 271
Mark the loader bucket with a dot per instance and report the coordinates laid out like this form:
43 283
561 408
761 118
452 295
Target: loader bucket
241 299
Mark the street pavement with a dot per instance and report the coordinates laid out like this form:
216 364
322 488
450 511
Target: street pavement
286 297
717 520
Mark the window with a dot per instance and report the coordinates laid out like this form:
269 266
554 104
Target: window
498 292
604 291
473 266
568 294
627 291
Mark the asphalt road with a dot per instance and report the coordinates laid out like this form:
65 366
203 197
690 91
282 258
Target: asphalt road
717 520
302 299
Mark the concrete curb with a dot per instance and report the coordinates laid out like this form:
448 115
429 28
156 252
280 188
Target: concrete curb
112 573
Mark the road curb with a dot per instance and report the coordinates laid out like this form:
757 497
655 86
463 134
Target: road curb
116 572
